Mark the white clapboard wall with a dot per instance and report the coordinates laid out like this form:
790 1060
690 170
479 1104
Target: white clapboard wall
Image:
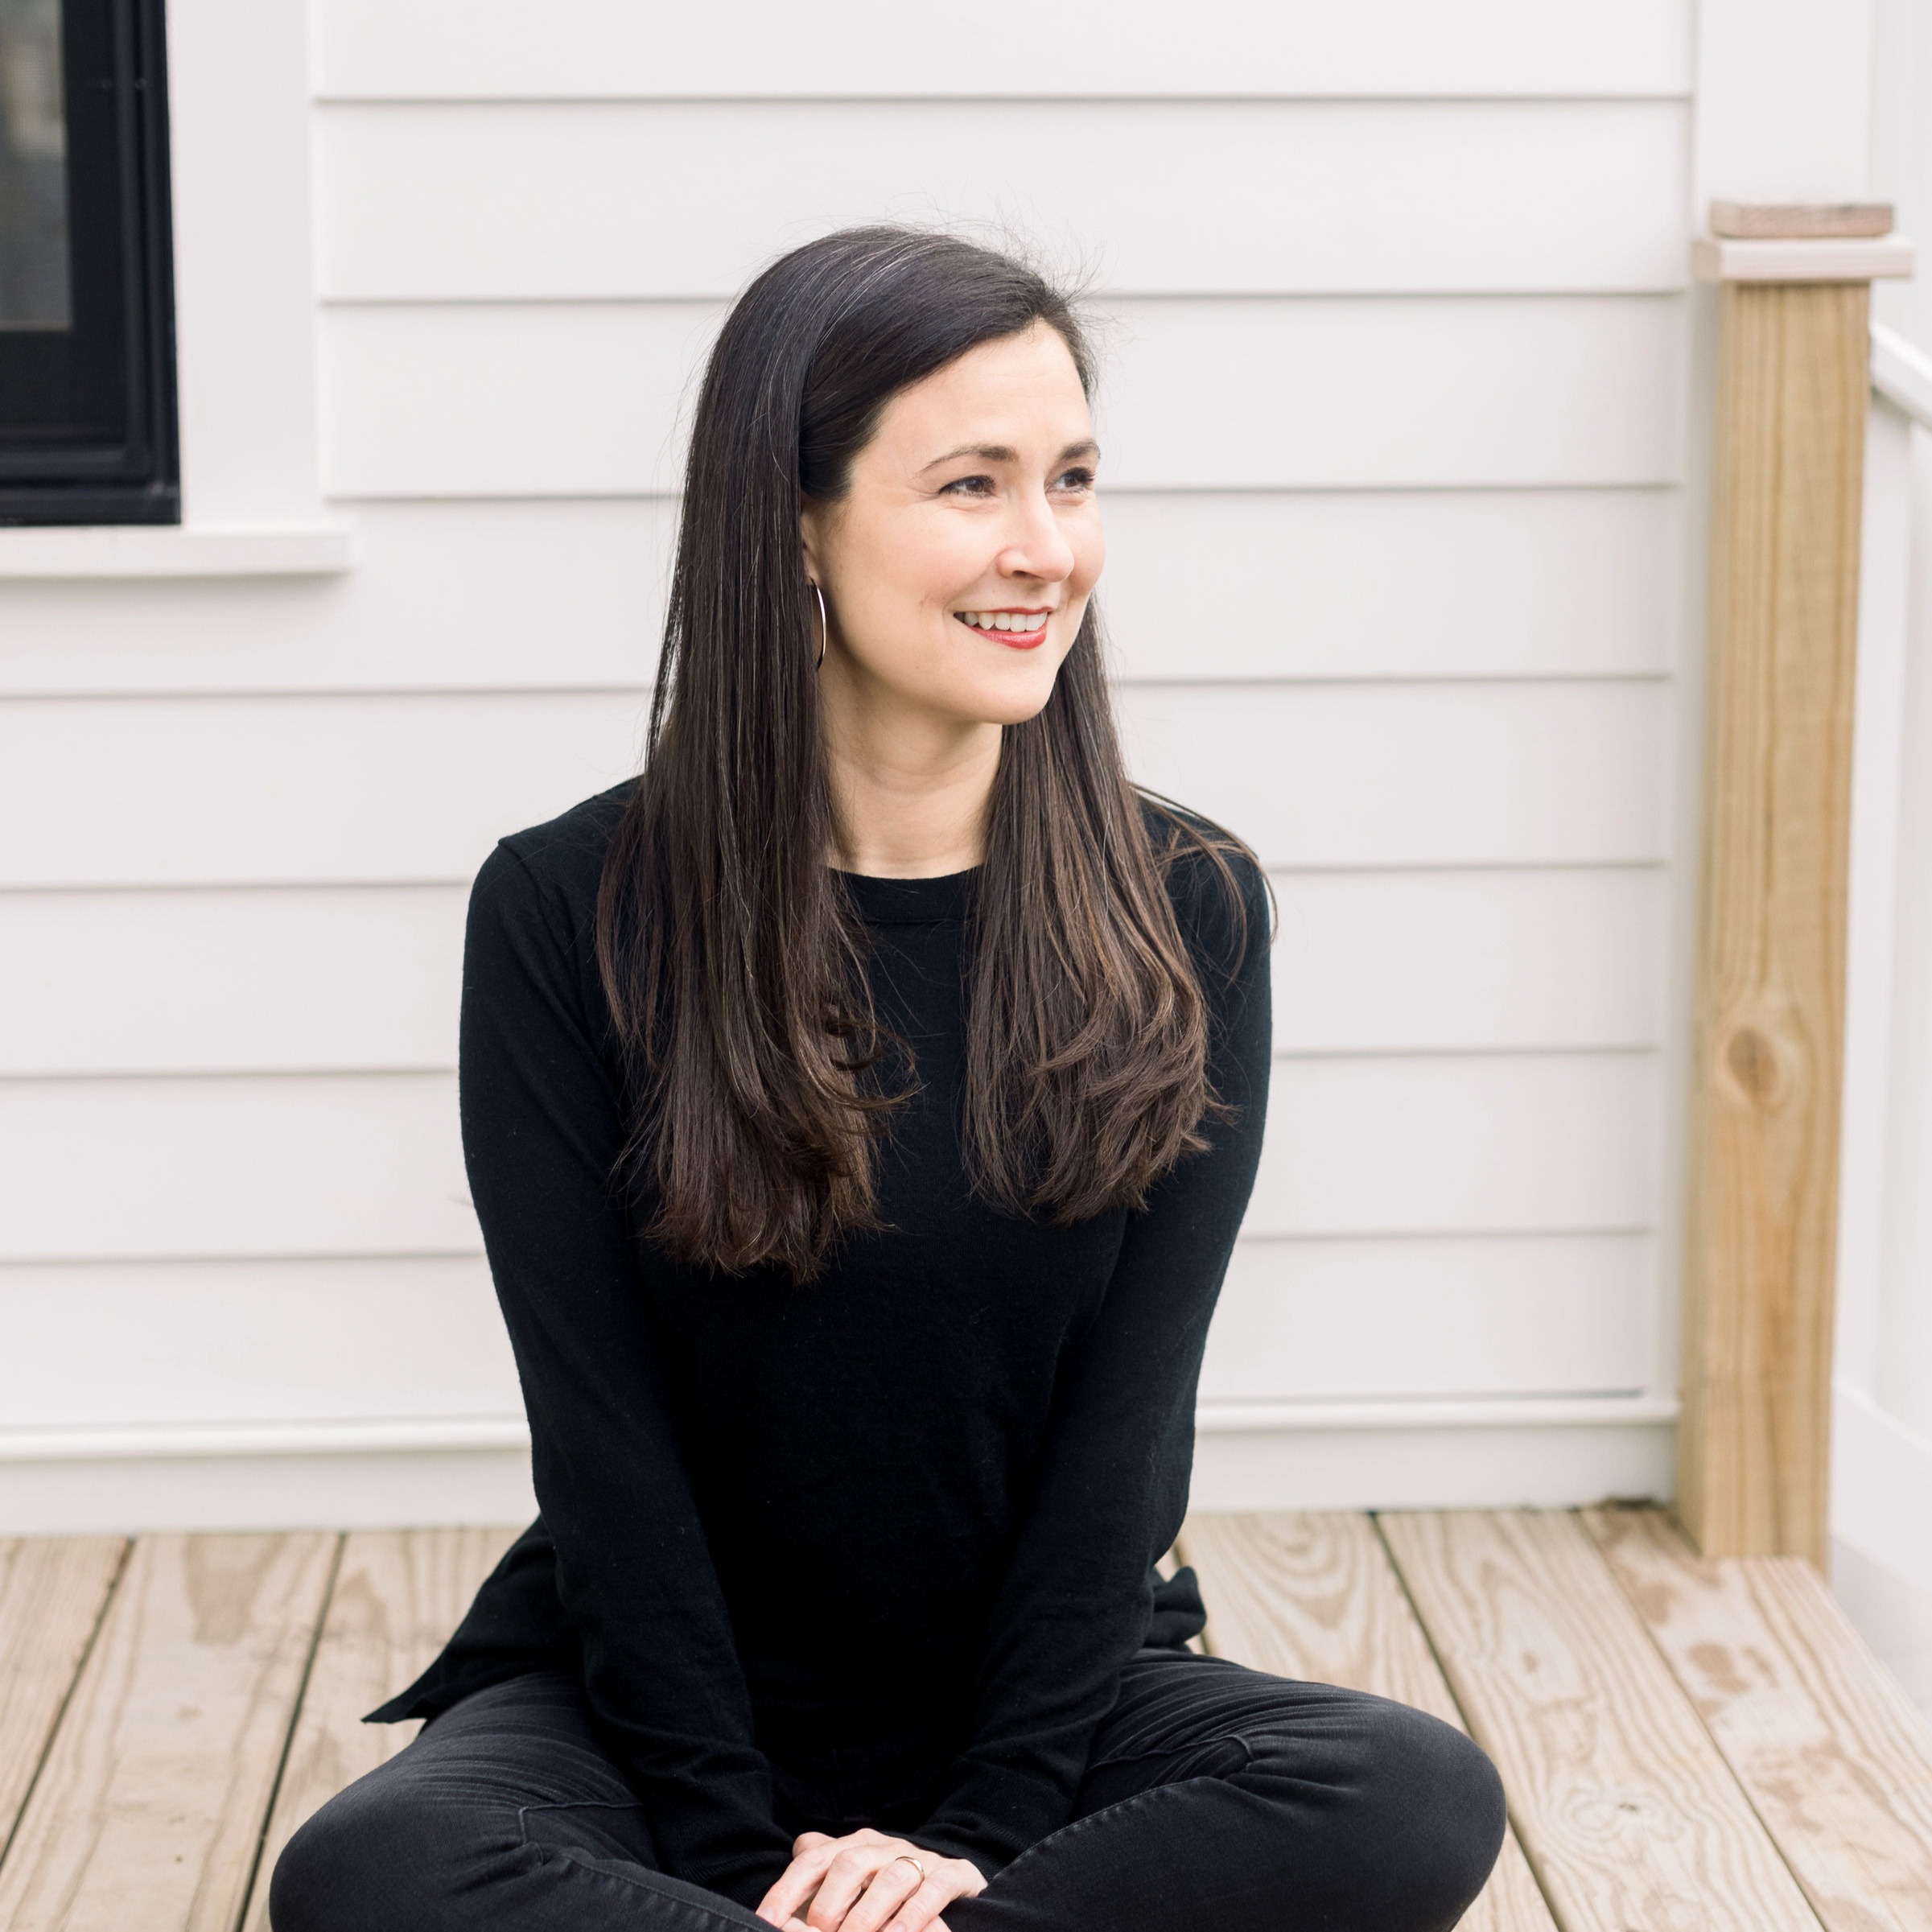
1397 348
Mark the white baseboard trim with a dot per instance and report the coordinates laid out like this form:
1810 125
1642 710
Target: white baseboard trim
364 1435
1881 1487
1463 1465
356 1436
86 1496
388 1473
1488 1412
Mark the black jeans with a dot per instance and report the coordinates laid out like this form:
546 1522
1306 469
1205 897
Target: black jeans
1217 1799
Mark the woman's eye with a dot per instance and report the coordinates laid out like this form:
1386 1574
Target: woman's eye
1075 479
969 486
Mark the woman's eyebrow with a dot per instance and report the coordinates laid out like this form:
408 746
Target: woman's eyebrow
1000 452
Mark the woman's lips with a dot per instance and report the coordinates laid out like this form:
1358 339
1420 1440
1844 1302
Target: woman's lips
1014 640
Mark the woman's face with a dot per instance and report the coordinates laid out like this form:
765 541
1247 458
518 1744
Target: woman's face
956 567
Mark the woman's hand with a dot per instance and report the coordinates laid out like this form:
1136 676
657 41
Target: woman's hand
867 1882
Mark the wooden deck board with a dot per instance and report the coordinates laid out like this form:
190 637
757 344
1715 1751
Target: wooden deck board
1835 1759
149 1808
1314 1596
1632 1695
51 1591
1628 1812
398 1594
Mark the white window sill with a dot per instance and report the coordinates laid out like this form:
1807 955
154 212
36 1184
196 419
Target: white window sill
269 550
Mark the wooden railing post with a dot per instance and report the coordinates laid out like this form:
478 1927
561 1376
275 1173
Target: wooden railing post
1767 1051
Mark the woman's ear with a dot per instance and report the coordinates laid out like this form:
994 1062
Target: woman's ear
811 537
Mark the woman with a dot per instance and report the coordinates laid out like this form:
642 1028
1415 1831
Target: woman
860 1107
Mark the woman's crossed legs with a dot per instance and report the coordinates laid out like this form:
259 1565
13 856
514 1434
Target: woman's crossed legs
1217 1799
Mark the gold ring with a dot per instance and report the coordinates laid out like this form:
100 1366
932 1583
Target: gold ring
914 1862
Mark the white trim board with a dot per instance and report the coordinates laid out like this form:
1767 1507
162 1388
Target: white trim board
1554 1465
1901 372
322 548
240 180
433 1435
1481 1412
380 1490
439 1434
1881 1487
1800 258
1496 1454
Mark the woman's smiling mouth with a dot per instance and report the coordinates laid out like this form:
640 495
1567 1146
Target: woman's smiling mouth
1017 630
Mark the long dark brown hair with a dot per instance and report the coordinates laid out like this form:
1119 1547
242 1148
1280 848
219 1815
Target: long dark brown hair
731 956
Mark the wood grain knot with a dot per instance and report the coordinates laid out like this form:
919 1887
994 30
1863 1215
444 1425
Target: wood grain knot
1757 1066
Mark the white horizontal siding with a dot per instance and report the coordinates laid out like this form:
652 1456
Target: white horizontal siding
1521 1315
1395 366
215 1343
546 594
1463 961
1415 774
209 1168
1535 1142
339 979
1016 48
176 1343
205 791
573 399
527 594
270 980
369 1164
1448 583
521 200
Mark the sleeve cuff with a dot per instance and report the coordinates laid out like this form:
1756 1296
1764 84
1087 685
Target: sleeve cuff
993 1814
743 1884
724 1840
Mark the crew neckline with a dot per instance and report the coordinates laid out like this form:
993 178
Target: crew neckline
932 901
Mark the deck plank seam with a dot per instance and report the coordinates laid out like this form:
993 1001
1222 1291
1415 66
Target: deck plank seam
1428 1637
66 1697
245 1893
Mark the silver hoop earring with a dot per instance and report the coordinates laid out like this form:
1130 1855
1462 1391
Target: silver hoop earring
825 627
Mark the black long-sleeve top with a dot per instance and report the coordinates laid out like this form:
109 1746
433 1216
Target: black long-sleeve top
921 1496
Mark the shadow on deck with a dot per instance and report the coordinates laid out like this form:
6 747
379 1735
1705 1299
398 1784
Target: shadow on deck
1686 1744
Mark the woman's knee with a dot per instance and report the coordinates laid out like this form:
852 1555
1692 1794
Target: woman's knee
314 1887
378 1857
1417 1809
1451 1812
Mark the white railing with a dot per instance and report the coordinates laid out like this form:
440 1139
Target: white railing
1881 1487
1902 374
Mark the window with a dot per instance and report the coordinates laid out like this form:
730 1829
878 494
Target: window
86 360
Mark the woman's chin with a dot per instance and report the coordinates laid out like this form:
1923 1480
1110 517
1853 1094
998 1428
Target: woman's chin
980 701
1010 710
1010 699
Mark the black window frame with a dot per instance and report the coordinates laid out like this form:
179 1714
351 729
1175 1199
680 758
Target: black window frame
88 426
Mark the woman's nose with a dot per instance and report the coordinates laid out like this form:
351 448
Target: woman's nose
1036 547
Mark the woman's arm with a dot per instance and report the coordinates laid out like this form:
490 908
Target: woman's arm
1112 1485
542 1122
